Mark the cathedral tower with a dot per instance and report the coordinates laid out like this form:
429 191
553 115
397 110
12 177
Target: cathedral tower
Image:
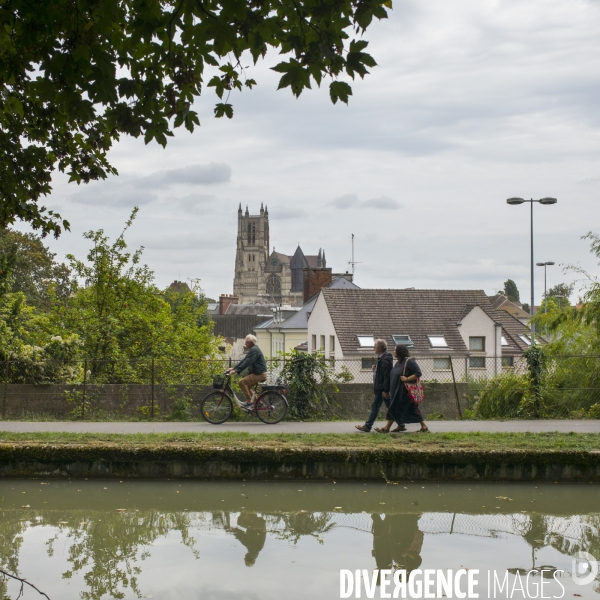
251 254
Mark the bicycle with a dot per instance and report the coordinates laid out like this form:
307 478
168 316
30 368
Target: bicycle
270 406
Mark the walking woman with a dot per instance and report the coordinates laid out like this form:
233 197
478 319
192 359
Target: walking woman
402 410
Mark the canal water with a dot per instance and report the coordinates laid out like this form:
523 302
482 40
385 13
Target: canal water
171 540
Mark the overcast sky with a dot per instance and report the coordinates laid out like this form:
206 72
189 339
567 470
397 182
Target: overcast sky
472 103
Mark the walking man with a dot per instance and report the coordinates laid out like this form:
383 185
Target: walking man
381 385
256 364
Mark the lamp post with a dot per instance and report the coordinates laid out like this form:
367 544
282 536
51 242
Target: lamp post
545 264
514 201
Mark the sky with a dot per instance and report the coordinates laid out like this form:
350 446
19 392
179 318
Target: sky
471 103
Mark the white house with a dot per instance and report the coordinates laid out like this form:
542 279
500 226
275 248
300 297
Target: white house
446 330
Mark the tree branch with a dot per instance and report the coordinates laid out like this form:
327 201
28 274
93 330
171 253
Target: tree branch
24 582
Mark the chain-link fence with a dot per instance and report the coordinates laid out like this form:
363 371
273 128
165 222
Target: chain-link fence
162 388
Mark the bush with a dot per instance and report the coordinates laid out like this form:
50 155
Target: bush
502 397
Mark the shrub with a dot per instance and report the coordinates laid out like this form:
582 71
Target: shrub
502 397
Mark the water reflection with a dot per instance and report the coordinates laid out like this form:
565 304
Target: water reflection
92 541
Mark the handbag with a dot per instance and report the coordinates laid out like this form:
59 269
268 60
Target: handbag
415 390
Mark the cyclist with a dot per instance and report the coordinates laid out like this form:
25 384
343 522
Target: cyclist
256 364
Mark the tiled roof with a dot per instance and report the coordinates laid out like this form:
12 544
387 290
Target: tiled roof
418 313
250 309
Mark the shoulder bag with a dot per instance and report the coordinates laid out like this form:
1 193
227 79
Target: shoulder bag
415 390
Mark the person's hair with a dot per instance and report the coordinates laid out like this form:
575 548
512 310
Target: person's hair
252 338
402 351
381 344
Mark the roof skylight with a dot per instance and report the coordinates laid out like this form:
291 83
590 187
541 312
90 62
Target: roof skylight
503 341
366 341
403 339
437 341
526 339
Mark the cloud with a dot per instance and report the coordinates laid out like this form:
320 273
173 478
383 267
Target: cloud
197 204
589 181
286 213
345 201
190 175
351 201
130 190
383 203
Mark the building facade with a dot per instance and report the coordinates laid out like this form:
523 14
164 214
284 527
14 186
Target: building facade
262 275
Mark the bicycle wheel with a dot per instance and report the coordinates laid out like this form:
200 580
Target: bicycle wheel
271 408
216 408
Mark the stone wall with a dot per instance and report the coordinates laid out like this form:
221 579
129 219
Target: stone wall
22 401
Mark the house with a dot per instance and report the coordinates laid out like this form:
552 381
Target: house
500 301
287 329
447 330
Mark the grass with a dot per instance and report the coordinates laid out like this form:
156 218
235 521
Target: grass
475 441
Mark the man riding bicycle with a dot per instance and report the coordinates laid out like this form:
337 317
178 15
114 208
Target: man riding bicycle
256 364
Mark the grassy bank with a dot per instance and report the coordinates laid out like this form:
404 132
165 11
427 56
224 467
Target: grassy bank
473 442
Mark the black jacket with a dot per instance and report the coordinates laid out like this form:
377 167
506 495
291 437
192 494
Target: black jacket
381 378
254 361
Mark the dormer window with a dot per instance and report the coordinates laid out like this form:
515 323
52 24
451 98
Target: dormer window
365 341
437 341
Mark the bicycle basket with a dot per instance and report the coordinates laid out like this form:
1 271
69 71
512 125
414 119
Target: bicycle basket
218 382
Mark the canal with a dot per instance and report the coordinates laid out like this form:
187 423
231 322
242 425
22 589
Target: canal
171 540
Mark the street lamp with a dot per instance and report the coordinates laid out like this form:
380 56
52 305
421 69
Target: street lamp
515 201
545 264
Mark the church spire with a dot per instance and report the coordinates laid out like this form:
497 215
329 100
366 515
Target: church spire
247 213
240 209
262 210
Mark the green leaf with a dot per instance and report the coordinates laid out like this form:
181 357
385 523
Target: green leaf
339 90
222 109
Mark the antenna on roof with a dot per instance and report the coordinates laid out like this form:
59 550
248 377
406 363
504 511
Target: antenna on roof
353 262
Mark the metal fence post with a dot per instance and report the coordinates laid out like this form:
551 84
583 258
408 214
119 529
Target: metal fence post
84 388
455 388
5 388
152 392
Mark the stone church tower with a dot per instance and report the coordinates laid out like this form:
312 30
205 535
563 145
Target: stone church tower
264 276
251 254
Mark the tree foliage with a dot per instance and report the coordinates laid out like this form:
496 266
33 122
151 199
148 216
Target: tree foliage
511 291
77 74
31 268
561 290
114 316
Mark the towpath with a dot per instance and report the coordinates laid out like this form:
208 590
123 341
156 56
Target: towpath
591 426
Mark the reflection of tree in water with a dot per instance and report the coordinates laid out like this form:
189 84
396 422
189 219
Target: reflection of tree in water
106 545
293 525
11 538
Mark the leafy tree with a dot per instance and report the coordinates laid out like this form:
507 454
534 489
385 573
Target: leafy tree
561 290
32 269
511 291
121 317
75 75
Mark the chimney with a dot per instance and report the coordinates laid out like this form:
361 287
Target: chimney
225 300
315 280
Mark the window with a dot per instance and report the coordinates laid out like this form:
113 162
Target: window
332 343
314 343
366 341
441 364
526 339
437 341
322 344
477 362
367 363
403 339
477 344
503 341
508 361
